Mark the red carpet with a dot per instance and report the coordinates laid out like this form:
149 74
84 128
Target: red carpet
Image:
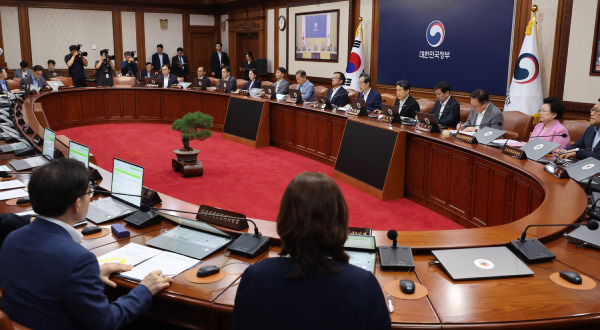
237 177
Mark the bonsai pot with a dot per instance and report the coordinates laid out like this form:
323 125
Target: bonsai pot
187 156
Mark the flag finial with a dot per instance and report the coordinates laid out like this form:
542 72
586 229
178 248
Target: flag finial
534 8
360 19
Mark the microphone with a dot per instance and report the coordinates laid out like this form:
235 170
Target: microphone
7 174
247 245
395 257
532 250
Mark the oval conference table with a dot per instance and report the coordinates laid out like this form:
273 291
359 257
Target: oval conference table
493 195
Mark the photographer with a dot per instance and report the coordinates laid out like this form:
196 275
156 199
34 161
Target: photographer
129 67
76 63
104 70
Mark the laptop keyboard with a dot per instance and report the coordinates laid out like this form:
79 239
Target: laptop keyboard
106 209
35 161
14 146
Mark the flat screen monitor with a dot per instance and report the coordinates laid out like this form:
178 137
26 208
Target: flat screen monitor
127 178
80 152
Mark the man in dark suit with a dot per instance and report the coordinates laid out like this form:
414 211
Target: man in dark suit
229 79
159 58
166 79
201 77
372 97
48 279
483 113
3 84
218 60
338 95
588 144
446 109
36 81
407 105
281 85
180 64
147 72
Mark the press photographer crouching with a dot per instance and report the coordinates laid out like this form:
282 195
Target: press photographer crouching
104 69
129 67
76 62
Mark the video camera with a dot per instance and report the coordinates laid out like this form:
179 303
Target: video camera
79 52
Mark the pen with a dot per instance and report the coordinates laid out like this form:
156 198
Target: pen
390 305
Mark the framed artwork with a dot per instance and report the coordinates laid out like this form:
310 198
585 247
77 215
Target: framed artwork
595 62
317 36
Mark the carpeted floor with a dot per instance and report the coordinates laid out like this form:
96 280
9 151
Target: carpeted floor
239 178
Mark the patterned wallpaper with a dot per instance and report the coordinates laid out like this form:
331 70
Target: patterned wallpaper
270 40
579 85
366 12
171 38
10 36
546 18
128 32
322 69
204 20
54 30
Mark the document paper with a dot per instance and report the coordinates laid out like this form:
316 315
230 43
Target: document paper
130 254
171 264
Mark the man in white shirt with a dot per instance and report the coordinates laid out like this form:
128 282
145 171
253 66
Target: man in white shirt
483 113
338 95
446 108
166 79
281 85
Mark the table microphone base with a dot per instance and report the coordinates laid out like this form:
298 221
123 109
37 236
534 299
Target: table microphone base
531 250
398 258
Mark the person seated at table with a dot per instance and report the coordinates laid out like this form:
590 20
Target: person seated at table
281 85
3 83
337 94
372 97
228 78
147 72
36 81
252 82
306 88
51 73
201 76
248 64
483 113
446 109
407 105
24 71
312 274
48 279
587 145
550 113
10 222
166 79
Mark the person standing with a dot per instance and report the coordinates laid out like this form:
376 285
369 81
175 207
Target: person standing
76 63
104 70
248 65
159 59
218 60
180 64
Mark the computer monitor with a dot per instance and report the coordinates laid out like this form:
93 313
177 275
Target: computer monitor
80 152
127 178
48 147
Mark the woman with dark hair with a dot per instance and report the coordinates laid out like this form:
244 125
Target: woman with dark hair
253 82
550 113
311 286
248 64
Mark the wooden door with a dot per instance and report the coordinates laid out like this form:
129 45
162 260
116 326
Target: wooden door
203 45
245 42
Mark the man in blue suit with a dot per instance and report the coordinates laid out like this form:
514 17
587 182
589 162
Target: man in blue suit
50 281
159 59
587 145
338 95
446 109
306 88
372 97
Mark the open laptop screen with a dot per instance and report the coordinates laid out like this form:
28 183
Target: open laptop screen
80 152
127 178
49 138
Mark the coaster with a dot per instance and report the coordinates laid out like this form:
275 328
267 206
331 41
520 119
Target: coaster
102 233
190 276
6 179
393 289
586 282
13 202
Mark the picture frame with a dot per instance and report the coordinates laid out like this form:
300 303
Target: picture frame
317 36
595 61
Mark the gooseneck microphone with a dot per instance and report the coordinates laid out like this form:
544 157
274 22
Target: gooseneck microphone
393 235
532 250
531 136
395 257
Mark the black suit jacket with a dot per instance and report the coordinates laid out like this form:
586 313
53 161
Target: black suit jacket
409 108
172 80
156 60
215 65
586 142
29 80
177 70
249 85
450 116
340 98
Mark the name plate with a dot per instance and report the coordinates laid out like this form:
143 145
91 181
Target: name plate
266 96
222 217
291 100
465 138
424 127
556 170
353 112
360 231
244 92
147 85
222 90
385 119
64 87
513 152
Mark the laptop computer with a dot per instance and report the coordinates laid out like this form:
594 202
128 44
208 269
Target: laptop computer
362 251
428 119
55 84
184 84
360 106
538 148
584 235
487 134
583 169
152 81
481 263
391 111
80 152
192 238
127 178
269 90
225 86
199 84
295 94
47 154
325 101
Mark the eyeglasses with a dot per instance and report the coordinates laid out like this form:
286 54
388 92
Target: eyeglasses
90 192
594 111
543 110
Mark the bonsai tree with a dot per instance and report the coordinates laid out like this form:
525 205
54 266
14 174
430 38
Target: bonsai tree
193 126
